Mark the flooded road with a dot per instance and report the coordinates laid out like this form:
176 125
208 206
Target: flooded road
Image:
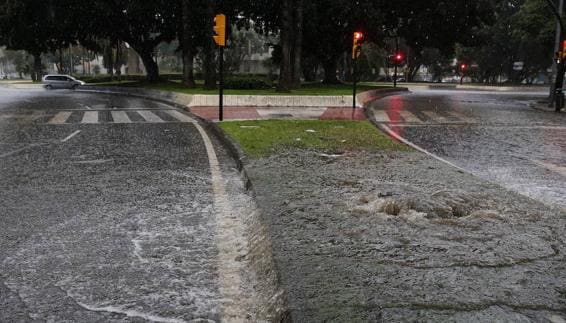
496 136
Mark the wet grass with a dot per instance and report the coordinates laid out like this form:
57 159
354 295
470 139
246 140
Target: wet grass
260 138
312 89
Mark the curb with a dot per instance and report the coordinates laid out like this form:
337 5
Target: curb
487 88
278 296
395 136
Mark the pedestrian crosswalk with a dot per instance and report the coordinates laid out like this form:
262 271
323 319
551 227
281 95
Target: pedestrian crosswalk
421 117
118 117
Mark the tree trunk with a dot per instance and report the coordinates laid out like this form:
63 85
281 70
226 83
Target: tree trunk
187 45
151 67
298 46
209 51
60 65
329 66
37 68
285 69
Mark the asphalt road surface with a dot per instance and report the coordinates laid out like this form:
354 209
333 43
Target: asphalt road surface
496 136
115 209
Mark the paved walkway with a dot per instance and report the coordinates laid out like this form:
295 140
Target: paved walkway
255 113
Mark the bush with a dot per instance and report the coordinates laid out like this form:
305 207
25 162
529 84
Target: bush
246 83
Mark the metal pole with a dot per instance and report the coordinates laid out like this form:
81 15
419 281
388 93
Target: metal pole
354 63
558 95
556 50
221 86
395 61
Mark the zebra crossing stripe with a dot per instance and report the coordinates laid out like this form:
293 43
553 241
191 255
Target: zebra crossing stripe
460 116
179 116
381 116
90 117
150 116
433 116
409 117
120 117
60 118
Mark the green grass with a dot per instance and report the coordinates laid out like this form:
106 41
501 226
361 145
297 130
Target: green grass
314 89
260 138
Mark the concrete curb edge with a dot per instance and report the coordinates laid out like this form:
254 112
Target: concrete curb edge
278 297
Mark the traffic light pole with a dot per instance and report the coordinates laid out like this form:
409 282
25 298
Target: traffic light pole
395 61
558 95
355 76
221 85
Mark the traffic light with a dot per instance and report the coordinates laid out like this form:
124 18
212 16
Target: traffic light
357 46
220 30
398 58
463 67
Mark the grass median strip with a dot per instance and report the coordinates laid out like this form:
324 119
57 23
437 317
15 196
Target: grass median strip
260 138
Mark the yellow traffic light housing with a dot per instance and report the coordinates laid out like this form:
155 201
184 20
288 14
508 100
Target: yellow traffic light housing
357 46
220 30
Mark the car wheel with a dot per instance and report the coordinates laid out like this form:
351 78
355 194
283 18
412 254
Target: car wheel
49 87
76 86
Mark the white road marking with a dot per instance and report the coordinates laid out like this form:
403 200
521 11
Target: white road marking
407 142
502 126
71 136
60 118
460 116
90 117
229 242
381 116
150 116
409 117
179 116
433 116
552 167
120 117
85 106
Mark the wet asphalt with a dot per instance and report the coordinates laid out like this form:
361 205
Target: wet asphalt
103 221
499 137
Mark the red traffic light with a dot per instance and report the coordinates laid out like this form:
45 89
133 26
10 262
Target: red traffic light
398 57
463 66
358 35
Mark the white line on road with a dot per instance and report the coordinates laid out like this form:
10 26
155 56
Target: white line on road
179 116
409 116
479 125
407 142
433 116
459 115
150 116
120 117
381 116
90 117
60 118
229 242
71 136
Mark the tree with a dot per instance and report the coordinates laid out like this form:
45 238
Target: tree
142 24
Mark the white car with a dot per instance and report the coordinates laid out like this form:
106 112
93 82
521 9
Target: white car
51 82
